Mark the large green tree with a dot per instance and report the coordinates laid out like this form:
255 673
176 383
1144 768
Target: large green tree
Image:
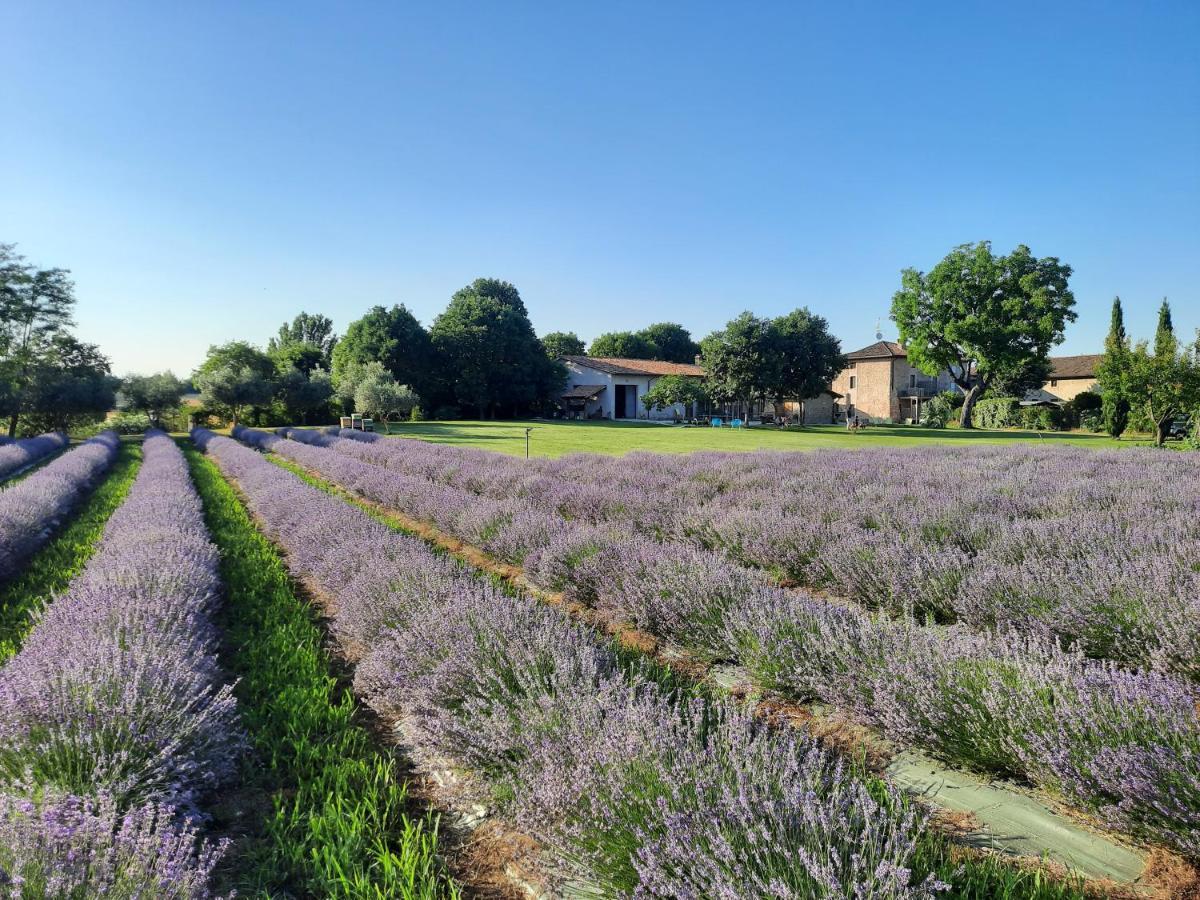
673 342
983 318
493 361
623 345
308 340
562 343
791 357
71 385
392 337
1113 372
740 360
1163 384
807 356
46 375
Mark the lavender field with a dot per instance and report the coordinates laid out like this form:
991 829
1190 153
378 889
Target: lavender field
962 606
174 723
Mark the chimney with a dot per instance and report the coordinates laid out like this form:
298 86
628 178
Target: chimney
697 359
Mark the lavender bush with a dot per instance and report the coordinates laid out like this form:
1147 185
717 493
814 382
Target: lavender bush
69 846
31 509
116 695
613 775
15 455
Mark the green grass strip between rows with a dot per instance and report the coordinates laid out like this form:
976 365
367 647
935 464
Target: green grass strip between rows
970 876
51 569
322 811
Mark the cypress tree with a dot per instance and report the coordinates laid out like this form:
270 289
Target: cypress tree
1111 373
1164 335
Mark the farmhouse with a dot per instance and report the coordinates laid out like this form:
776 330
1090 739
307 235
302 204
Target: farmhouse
600 387
605 387
880 385
1072 375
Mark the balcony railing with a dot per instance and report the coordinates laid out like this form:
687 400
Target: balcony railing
922 390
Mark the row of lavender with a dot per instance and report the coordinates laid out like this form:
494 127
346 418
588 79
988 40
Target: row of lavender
19 454
624 785
1096 548
31 509
114 718
1123 743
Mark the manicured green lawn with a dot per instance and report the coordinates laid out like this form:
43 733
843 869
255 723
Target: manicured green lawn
556 438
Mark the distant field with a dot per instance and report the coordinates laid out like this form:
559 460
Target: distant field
557 438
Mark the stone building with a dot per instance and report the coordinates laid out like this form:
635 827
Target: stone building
1072 375
879 385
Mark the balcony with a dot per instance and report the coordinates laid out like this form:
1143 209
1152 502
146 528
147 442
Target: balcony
924 389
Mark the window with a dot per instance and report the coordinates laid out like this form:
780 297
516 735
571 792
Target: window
853 379
912 380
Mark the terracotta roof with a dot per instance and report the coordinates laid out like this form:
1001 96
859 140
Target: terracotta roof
614 366
879 350
1075 366
583 392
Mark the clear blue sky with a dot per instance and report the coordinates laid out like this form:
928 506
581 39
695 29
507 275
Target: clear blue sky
207 170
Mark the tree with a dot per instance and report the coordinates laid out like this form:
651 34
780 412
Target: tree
1165 342
673 342
235 376
1113 372
302 394
1166 383
35 310
392 337
313 330
983 317
237 355
492 359
379 395
624 345
740 360
675 389
562 343
150 394
302 358
70 386
807 356
232 388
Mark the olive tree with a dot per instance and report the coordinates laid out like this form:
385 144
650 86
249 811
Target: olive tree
150 394
381 396
232 388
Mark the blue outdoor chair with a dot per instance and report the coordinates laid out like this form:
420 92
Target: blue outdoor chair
716 422
736 423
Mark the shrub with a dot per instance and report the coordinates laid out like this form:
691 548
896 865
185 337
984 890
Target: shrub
997 412
937 412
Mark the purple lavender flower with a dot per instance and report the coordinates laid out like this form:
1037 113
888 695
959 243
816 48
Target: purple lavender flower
16 455
31 509
116 696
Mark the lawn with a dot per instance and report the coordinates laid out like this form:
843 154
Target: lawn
550 438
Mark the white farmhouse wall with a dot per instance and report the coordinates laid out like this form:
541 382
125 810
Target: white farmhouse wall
578 374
